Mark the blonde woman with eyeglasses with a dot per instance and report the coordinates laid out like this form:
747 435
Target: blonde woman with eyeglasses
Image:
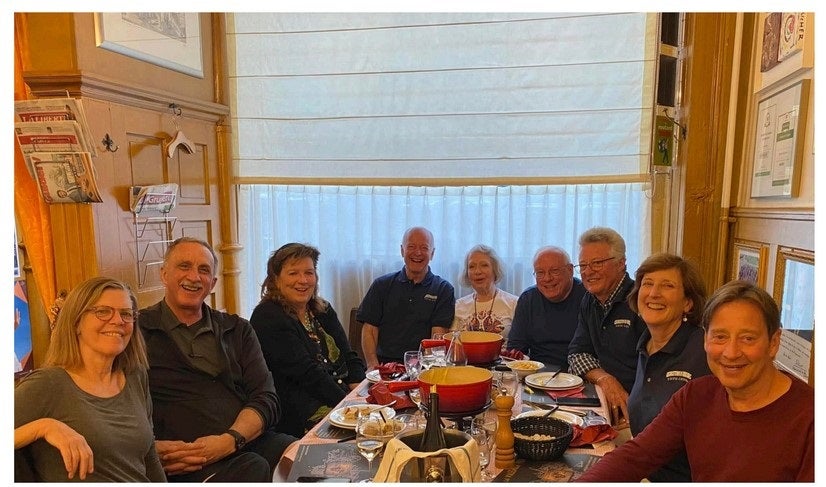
87 414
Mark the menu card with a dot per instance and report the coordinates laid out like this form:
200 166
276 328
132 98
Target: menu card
331 460
566 469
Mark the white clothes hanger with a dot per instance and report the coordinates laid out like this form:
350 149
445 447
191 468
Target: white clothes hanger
180 139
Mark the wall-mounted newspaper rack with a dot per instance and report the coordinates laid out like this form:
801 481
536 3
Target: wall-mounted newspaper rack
153 225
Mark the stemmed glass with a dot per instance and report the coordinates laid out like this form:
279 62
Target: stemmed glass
372 433
432 353
412 364
483 430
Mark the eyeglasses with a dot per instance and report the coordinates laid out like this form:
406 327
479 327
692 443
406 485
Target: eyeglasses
555 272
595 265
105 313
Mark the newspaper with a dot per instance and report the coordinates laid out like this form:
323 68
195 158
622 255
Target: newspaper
55 110
157 197
65 177
63 136
57 145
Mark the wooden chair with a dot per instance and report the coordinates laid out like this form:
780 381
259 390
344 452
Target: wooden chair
355 333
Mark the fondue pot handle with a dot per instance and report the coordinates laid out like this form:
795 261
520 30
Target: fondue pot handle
402 385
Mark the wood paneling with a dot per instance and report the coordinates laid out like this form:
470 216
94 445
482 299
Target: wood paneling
710 44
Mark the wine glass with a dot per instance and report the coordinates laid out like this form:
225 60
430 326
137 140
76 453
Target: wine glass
411 364
432 353
482 438
372 433
487 424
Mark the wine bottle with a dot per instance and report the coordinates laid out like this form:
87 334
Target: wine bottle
434 468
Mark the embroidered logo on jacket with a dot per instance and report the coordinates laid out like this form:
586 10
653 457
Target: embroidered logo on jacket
622 323
678 375
430 297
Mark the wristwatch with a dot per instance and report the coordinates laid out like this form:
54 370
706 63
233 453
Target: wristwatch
240 441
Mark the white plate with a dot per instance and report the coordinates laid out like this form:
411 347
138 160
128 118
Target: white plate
337 416
373 376
559 383
563 415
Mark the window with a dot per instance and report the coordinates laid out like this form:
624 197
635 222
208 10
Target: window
513 130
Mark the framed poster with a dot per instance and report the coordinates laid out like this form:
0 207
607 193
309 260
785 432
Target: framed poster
778 141
749 262
168 39
795 295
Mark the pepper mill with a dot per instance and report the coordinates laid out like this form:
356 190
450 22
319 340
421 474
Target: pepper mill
504 433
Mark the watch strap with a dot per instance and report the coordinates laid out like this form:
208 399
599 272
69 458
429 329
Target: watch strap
240 441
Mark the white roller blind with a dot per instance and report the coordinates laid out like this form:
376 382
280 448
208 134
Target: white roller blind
441 95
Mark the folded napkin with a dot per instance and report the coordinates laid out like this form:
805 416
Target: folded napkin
575 392
464 462
380 394
386 371
592 434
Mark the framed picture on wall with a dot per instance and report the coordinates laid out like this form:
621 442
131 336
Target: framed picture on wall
169 39
750 261
794 292
779 136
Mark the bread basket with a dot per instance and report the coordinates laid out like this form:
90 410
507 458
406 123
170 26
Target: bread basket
541 437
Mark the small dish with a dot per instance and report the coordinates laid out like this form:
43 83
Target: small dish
346 416
524 368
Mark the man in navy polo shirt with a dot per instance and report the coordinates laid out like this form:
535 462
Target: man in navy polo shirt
402 308
604 347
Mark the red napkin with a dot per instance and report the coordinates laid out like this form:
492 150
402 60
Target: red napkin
380 394
512 353
575 392
592 434
390 368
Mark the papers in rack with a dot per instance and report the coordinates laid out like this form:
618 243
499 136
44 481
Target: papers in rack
55 140
157 197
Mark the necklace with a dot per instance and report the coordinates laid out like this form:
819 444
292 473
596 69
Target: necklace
490 311
307 322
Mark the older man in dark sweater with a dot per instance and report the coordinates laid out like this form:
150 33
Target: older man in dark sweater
213 396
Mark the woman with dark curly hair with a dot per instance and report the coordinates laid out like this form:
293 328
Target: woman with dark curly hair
303 341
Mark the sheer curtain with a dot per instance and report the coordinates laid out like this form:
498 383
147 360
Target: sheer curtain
358 229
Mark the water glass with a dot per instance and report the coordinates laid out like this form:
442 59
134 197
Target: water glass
411 364
431 354
507 380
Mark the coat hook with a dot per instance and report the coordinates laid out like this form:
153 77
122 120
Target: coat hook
176 110
108 143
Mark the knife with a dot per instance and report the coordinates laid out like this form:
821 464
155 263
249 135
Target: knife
537 405
552 377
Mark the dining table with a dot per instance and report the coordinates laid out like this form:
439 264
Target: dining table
526 398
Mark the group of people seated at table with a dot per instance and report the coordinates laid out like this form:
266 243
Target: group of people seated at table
205 395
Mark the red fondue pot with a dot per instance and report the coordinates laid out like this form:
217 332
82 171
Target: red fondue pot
461 389
481 347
